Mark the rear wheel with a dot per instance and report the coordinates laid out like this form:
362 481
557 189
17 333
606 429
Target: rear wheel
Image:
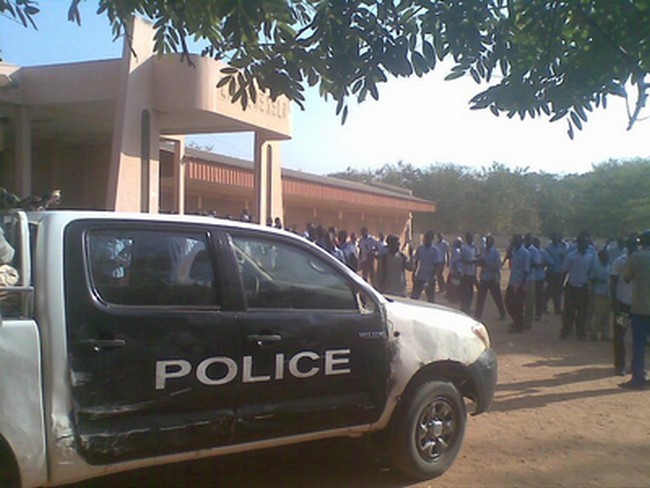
428 430
9 477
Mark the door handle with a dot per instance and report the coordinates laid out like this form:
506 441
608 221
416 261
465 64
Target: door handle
99 344
261 339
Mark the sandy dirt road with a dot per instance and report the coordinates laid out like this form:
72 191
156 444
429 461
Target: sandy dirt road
558 420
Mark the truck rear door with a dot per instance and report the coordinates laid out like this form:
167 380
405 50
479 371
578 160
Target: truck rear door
147 314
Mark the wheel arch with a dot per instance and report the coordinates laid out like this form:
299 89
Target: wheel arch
451 371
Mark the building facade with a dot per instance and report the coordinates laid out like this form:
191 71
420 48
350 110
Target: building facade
225 186
110 135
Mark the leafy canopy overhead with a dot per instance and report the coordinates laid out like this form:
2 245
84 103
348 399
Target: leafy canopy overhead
559 58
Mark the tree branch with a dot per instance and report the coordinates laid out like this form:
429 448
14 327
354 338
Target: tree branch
642 97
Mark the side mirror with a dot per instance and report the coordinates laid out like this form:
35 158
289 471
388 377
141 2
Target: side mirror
366 303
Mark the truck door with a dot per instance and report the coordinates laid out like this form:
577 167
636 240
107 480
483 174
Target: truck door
146 308
312 360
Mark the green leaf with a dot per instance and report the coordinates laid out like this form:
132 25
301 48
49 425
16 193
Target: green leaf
429 53
454 75
576 120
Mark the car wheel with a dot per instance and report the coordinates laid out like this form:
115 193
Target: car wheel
428 430
9 477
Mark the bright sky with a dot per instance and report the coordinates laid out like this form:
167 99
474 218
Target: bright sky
419 121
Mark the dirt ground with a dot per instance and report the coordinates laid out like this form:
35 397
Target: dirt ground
558 420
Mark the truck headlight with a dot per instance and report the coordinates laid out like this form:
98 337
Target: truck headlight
481 332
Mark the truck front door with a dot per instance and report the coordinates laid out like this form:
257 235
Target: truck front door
147 324
312 359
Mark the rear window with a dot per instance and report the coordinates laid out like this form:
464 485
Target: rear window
152 268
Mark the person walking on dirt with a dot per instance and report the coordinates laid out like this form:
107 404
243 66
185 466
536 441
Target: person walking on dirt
621 293
443 260
489 277
599 296
530 289
391 268
637 271
519 270
553 289
368 249
577 268
424 271
468 272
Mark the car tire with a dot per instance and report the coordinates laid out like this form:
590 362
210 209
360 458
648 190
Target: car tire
428 430
9 477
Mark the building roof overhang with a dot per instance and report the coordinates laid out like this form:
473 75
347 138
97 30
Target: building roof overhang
299 187
77 102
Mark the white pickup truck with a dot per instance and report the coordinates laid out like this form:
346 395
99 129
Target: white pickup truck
128 340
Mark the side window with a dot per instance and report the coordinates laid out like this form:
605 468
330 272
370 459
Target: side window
279 275
151 267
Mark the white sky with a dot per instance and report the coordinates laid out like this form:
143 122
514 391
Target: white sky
418 121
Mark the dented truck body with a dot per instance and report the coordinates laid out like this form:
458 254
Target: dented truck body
133 340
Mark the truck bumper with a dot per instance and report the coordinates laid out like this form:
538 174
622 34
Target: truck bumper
483 374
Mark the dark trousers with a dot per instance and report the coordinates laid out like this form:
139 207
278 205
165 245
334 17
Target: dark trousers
453 288
539 299
576 299
553 291
466 293
429 288
368 270
619 335
515 306
640 325
440 267
495 290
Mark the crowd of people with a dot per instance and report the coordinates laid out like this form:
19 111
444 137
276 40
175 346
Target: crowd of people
599 291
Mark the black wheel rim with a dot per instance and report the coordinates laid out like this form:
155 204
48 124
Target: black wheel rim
435 430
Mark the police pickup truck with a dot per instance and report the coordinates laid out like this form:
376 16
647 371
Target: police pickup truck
128 340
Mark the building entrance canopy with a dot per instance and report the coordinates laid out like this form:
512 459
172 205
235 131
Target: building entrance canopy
125 106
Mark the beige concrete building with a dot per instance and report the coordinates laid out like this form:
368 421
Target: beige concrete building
110 135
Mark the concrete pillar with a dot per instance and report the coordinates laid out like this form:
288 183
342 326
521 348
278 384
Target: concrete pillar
267 180
179 175
134 174
23 164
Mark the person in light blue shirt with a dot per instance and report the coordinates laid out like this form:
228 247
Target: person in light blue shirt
540 277
443 260
519 259
489 277
599 295
553 291
424 271
535 264
468 272
577 269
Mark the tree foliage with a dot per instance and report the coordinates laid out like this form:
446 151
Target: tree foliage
555 58
609 201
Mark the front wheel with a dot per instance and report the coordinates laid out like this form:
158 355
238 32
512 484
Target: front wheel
428 431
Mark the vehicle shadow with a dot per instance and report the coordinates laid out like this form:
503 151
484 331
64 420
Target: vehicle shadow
329 463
